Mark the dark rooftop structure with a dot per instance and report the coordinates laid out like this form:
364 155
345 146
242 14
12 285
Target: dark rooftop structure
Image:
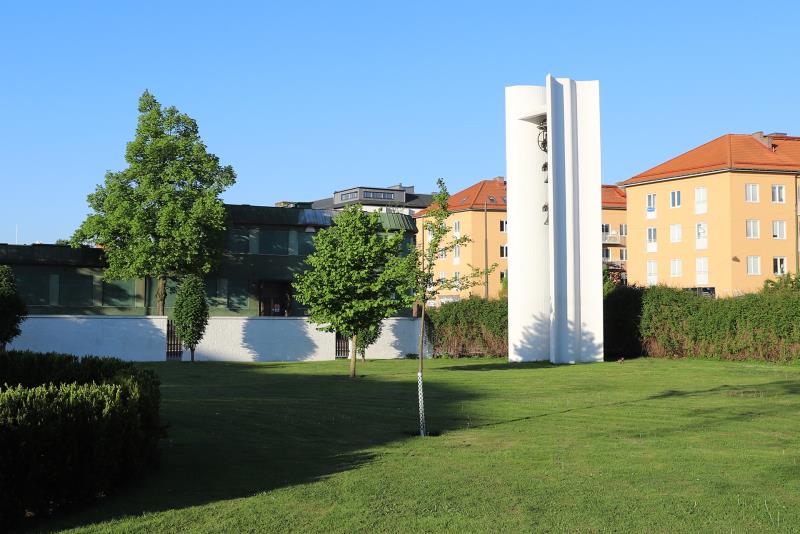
396 198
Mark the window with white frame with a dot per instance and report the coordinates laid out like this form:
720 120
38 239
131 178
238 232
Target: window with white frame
623 254
651 205
701 271
442 276
753 265
751 192
503 275
701 236
429 233
623 229
675 233
778 229
675 199
675 267
605 228
606 253
700 200
457 280
652 272
778 193
456 229
504 251
504 225
652 242
779 265
752 229
442 254
456 255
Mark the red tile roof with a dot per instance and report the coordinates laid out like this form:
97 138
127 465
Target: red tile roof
614 197
729 152
473 197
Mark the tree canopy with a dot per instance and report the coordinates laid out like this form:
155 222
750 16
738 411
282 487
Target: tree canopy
162 215
357 276
12 307
191 311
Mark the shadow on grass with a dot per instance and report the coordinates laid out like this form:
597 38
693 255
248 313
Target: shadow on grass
499 365
241 429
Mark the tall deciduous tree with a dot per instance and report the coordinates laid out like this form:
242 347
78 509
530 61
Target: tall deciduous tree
434 242
161 216
12 307
191 312
357 276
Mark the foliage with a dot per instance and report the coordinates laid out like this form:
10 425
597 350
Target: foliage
12 307
191 311
470 327
761 326
610 281
622 312
161 216
357 276
71 429
62 242
503 293
367 337
786 282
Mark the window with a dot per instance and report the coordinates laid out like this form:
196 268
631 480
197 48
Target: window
779 265
652 272
701 271
754 265
778 193
701 236
700 200
675 199
457 229
623 254
778 229
503 275
379 195
504 251
606 228
623 229
442 254
442 276
504 226
752 229
457 280
751 192
456 255
606 253
675 233
652 244
675 267
349 196
651 205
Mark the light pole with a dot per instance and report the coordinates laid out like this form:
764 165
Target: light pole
491 199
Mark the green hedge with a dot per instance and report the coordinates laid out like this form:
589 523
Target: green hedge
470 327
761 326
622 314
71 430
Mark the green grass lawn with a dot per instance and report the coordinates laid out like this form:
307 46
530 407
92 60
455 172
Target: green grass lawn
647 446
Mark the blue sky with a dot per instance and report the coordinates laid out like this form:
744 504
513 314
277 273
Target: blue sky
305 98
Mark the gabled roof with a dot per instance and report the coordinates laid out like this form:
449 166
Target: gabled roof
729 152
473 197
614 197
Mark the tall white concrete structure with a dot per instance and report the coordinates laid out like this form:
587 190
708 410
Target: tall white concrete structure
555 286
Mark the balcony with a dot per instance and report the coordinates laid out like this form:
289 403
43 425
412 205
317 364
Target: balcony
613 238
614 265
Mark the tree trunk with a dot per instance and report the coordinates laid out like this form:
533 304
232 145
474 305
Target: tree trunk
161 294
353 357
191 350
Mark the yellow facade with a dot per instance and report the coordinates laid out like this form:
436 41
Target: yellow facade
615 238
712 248
484 250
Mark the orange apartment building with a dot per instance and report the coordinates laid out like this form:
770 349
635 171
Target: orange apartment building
721 218
615 230
479 212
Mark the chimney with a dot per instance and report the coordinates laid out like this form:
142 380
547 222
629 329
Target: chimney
759 136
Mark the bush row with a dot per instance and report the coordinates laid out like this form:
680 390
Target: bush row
71 430
471 327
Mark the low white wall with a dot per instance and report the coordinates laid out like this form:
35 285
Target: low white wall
130 338
242 339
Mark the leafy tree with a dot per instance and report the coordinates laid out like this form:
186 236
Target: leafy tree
365 338
356 277
191 311
503 293
12 307
161 216
435 241
62 242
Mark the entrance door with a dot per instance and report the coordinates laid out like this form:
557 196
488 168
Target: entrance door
342 346
273 299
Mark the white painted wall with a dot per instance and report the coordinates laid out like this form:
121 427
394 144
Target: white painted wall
129 338
242 339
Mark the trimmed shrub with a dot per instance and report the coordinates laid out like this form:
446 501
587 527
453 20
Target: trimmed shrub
622 314
761 326
71 430
471 327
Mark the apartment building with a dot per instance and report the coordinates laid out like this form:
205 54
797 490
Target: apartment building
720 218
615 230
479 212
